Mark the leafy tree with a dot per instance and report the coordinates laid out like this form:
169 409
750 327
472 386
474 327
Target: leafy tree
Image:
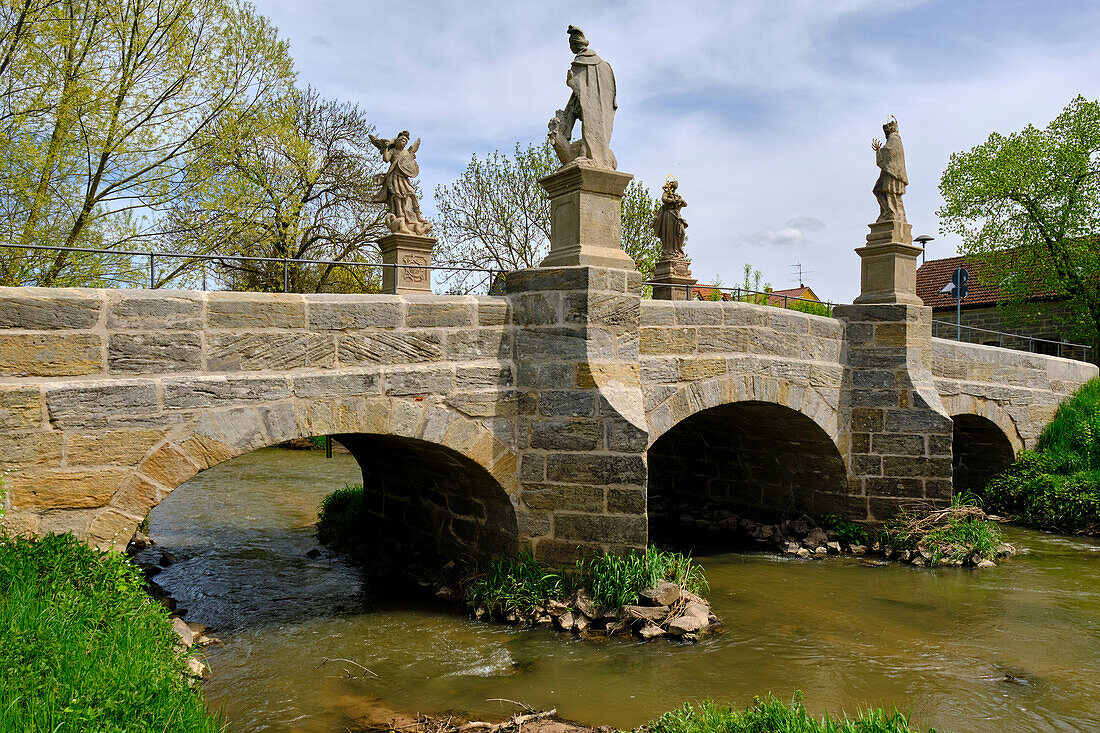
1027 206
294 181
105 104
497 217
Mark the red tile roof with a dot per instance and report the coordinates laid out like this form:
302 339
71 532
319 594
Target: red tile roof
933 275
802 291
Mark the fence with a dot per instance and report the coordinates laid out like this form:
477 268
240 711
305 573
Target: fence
759 297
1016 341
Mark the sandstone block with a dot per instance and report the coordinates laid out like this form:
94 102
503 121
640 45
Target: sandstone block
493 311
657 313
169 466
269 351
41 309
136 497
567 403
545 375
390 348
699 313
565 434
322 385
111 529
626 500
661 340
23 450
21 408
551 344
536 309
598 470
50 355
480 343
626 530
152 353
556 497
625 437
64 489
437 313
255 310
76 403
220 390
482 376
602 309
425 380
344 312
898 444
154 310
109 447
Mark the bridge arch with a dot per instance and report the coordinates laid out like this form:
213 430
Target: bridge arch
985 440
750 457
446 479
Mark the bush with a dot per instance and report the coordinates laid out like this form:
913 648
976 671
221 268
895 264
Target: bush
769 715
1057 487
340 521
955 534
518 586
84 648
847 532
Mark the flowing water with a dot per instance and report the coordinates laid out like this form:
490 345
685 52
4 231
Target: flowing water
848 633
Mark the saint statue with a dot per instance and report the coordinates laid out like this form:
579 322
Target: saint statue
397 191
890 157
592 102
669 224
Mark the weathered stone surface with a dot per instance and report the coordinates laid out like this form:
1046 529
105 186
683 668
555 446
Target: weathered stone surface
438 313
390 348
169 465
109 447
64 489
210 391
333 384
76 403
21 408
571 435
255 310
558 497
572 403
37 310
154 310
50 355
275 351
347 312
614 529
20 450
152 353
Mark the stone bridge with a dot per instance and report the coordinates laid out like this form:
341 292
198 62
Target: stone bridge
551 418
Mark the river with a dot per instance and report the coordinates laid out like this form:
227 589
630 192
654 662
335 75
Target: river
846 632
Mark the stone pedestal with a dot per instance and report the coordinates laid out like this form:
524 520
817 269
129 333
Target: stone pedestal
675 281
414 254
586 217
888 265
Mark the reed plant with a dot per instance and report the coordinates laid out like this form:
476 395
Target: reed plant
340 521
84 648
617 580
770 715
518 586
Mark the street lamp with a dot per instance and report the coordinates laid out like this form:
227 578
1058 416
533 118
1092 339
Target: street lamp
924 239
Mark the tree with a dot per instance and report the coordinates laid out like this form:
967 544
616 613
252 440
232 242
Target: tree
295 181
106 103
1027 206
495 216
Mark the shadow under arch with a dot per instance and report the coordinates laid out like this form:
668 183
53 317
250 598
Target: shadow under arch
980 450
751 458
431 495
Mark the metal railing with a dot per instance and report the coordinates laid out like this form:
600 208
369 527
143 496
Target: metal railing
1016 341
745 295
152 256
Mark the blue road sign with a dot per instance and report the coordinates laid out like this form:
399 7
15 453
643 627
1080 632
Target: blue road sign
959 278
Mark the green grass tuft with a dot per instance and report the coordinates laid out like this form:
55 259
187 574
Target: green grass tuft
769 715
340 522
616 580
84 648
955 534
518 586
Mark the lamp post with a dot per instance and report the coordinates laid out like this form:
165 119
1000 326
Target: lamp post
924 239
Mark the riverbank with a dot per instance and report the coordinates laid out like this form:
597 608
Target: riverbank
765 715
84 647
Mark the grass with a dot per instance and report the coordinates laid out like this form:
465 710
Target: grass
84 648
1057 486
847 532
523 585
955 534
770 715
340 522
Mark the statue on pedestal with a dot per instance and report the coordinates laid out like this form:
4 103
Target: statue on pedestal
890 157
671 229
592 102
397 191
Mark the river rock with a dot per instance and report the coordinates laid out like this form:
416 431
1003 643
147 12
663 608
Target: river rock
652 614
821 551
556 608
833 547
584 603
665 594
566 621
858 549
918 560
651 631
687 625
187 638
803 552
815 539
792 548
197 669
580 623
986 564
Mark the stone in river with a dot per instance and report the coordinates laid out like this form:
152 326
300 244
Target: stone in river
653 614
651 631
687 625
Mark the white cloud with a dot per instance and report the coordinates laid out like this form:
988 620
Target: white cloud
763 109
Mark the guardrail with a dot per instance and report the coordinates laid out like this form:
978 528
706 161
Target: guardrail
1016 341
759 297
286 262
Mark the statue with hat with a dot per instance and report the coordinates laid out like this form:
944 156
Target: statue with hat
592 102
397 191
890 157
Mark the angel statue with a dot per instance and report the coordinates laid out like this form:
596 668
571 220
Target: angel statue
397 192
890 186
669 225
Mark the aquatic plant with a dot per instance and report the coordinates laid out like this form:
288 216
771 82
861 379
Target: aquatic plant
340 521
953 534
770 715
847 532
84 648
616 580
517 586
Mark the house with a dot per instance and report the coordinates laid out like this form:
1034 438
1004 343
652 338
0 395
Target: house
980 319
779 298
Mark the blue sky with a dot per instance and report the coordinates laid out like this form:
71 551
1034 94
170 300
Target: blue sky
763 109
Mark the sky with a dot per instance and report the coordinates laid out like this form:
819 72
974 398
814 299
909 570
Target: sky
764 110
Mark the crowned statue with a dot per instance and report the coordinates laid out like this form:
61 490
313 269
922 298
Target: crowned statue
592 102
670 227
397 191
890 157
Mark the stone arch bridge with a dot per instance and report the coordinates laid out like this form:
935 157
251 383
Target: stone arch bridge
548 419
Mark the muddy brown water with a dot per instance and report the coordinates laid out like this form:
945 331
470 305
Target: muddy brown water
846 632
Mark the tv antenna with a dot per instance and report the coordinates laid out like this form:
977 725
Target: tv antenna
800 273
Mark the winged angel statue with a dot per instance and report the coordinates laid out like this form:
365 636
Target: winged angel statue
397 191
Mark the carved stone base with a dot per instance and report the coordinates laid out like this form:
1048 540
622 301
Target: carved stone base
675 280
586 217
414 255
888 265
